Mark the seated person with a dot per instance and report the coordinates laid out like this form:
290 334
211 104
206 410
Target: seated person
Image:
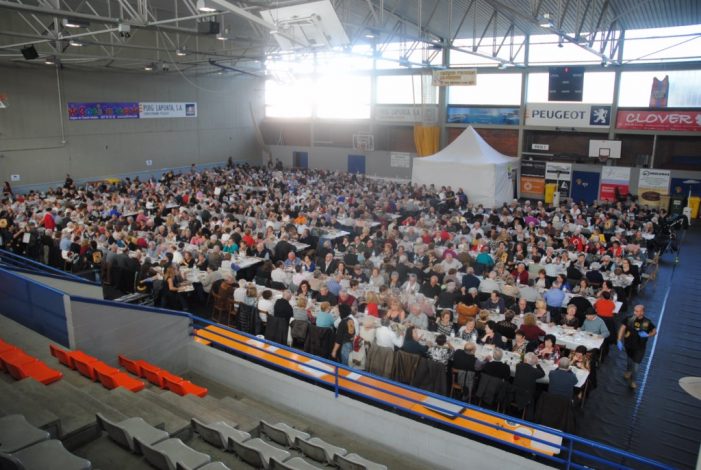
562 379
465 359
580 359
492 337
441 351
494 302
469 332
445 325
530 328
520 344
570 318
495 367
411 342
507 328
549 349
324 318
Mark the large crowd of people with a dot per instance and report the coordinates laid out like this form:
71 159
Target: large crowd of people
508 292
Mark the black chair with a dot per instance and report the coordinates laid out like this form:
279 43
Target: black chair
246 318
277 285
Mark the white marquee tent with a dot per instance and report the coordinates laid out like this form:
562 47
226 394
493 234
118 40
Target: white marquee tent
469 163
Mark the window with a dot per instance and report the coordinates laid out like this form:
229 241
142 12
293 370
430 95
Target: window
492 88
662 44
547 49
289 99
343 97
406 89
684 88
598 87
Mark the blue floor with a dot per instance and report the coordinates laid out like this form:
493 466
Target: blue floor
659 420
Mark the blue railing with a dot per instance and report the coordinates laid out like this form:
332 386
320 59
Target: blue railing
13 260
584 459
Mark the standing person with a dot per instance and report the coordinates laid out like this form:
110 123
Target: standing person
344 335
633 335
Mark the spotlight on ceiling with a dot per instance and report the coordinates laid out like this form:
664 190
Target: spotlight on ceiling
74 23
206 6
50 60
180 52
149 67
75 43
546 21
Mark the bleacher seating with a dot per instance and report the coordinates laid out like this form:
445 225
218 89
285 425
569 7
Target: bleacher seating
21 365
44 455
162 378
167 454
125 432
16 434
282 433
96 370
150 428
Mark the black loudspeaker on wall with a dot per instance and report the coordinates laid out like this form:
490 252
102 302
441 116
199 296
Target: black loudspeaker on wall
30 53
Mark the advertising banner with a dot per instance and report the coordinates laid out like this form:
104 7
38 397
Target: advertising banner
532 184
614 179
560 174
167 110
98 111
652 184
483 115
400 159
659 120
410 114
455 77
568 115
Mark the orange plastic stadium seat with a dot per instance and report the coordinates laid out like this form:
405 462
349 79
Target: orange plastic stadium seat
15 355
5 346
184 387
63 356
133 366
111 380
85 365
152 374
21 365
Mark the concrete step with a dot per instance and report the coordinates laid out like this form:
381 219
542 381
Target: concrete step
13 401
75 408
132 404
106 454
190 407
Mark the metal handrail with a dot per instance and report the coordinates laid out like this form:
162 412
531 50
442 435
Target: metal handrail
336 367
33 265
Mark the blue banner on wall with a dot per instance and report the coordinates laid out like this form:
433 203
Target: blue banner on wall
679 183
585 186
96 111
483 115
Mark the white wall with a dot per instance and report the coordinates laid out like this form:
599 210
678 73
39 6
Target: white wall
31 143
90 291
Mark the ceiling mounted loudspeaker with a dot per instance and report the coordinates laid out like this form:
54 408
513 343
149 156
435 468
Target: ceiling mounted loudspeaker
30 53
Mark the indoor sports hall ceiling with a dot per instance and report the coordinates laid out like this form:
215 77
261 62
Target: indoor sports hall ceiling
173 35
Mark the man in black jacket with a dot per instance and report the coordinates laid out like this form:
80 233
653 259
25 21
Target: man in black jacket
496 368
465 359
527 374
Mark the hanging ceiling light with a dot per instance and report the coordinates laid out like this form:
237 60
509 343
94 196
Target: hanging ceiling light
51 60
149 67
546 21
75 43
180 52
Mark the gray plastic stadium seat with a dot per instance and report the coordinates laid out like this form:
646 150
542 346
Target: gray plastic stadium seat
282 433
218 433
124 432
16 433
258 453
356 462
319 450
295 463
45 455
209 466
168 454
